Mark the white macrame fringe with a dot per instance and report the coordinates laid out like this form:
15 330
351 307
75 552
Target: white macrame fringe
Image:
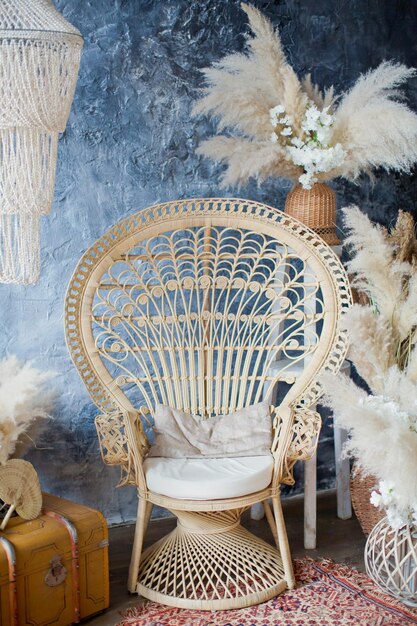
39 60
27 170
19 249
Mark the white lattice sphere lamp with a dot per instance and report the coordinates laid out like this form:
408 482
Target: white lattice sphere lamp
391 560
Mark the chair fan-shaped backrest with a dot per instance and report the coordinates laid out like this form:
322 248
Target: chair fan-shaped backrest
204 305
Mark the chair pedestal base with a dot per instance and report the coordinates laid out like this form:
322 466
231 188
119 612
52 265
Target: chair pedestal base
209 561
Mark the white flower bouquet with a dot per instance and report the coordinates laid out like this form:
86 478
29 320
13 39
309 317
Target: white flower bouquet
383 347
315 136
311 148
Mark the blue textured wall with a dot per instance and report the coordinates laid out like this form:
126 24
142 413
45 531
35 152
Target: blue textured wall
130 142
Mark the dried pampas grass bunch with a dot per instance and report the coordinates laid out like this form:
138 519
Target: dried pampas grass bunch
279 125
24 399
383 348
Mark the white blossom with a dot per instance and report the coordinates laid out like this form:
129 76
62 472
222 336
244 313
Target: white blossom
276 110
325 118
386 499
323 135
287 120
376 499
395 519
312 115
274 114
312 150
297 142
307 180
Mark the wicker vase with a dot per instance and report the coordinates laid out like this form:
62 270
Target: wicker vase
316 208
391 560
360 492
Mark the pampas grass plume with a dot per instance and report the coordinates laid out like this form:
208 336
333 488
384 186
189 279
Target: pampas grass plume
372 123
24 399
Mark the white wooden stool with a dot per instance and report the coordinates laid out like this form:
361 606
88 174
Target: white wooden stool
342 466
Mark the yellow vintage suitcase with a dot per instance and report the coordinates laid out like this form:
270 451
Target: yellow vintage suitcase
8 609
54 570
38 565
92 540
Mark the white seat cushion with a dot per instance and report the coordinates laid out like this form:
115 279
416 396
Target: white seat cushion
208 479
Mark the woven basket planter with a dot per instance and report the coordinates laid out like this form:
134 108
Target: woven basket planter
316 208
391 560
360 492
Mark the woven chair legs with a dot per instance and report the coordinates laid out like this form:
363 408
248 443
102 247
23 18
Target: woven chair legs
277 526
271 521
209 561
284 547
144 514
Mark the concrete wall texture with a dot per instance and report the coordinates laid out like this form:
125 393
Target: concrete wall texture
130 142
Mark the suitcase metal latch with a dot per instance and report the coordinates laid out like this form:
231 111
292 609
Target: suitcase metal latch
57 574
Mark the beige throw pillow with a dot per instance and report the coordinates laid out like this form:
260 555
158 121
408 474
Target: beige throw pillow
247 432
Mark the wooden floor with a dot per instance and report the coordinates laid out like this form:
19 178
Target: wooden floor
340 540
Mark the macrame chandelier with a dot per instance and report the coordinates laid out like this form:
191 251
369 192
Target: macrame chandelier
39 60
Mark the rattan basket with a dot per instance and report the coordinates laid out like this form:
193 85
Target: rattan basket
360 491
316 208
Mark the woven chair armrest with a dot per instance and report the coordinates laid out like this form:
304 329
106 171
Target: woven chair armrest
306 431
296 433
282 421
305 436
123 442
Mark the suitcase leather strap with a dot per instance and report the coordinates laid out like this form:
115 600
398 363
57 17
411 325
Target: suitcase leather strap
11 559
73 535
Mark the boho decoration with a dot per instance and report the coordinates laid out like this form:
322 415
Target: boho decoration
282 126
391 560
382 332
187 304
316 208
383 349
24 401
20 489
278 125
40 55
361 488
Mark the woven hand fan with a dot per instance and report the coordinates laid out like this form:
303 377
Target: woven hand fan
20 488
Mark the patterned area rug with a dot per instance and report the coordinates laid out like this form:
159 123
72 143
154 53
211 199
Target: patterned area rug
327 594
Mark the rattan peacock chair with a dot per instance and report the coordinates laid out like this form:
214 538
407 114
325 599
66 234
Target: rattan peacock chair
204 305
